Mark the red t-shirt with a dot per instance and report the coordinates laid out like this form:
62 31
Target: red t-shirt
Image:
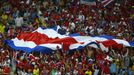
46 14
20 64
32 57
6 70
66 23
106 70
57 17
81 72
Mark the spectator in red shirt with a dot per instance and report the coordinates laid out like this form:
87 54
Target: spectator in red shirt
6 70
106 69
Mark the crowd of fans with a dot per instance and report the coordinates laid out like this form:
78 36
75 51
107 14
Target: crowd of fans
88 61
116 19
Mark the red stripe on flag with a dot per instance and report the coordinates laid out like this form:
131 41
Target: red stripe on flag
109 43
112 43
106 2
39 38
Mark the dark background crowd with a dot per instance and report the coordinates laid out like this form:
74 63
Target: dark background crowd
115 19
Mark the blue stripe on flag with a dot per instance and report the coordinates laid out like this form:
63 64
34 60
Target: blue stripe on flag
76 34
29 50
107 36
91 43
131 44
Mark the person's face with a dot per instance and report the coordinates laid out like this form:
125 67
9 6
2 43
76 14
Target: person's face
29 70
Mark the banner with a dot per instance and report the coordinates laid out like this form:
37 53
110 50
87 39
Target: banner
88 2
93 2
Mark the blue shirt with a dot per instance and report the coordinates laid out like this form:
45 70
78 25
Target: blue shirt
113 68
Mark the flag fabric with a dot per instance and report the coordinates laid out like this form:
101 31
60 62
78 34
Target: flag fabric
47 40
88 2
106 2
105 42
93 2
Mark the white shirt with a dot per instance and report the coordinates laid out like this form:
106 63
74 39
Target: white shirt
96 72
81 17
72 25
75 72
19 21
58 73
99 30
23 73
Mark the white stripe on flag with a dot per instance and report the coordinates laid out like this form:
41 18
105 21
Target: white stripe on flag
31 44
50 33
106 2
